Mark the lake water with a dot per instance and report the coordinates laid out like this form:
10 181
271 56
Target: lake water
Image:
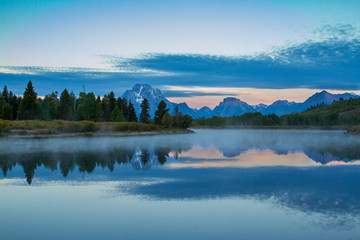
214 184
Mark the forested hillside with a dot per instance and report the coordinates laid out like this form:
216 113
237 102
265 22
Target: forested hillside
343 113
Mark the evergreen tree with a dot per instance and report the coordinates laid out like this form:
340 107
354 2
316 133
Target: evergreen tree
175 111
132 113
108 105
50 107
73 104
88 108
186 121
112 101
117 115
29 108
14 102
7 112
177 120
159 113
105 109
125 109
5 109
5 94
167 120
65 111
144 115
119 102
98 112
98 99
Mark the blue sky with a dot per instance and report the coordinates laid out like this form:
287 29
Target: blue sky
196 51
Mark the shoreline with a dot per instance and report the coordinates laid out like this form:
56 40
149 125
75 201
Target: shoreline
353 130
274 127
60 128
39 135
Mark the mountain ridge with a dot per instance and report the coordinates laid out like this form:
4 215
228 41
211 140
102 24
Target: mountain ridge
230 106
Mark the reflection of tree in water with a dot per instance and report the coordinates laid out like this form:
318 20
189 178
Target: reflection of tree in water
177 150
343 153
30 162
67 164
86 161
6 163
162 153
144 156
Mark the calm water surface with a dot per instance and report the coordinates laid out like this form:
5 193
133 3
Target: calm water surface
214 184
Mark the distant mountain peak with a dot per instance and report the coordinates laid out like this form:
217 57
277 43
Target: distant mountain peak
231 100
229 106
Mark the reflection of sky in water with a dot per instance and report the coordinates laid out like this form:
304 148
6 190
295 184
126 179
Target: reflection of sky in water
216 184
211 157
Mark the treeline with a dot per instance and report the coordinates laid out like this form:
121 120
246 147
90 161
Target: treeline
86 106
340 113
245 120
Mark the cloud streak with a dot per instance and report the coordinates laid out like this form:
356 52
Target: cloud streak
329 63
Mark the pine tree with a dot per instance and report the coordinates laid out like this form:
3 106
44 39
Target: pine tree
117 115
88 108
112 101
108 105
14 102
98 112
144 115
65 111
73 105
5 106
159 113
5 94
124 108
50 107
175 111
132 113
28 108
167 120
5 109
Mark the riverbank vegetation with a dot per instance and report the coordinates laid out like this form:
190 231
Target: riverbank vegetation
83 114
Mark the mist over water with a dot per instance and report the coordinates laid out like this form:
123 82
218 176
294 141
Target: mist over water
301 184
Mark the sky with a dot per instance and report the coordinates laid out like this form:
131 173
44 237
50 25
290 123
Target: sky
194 51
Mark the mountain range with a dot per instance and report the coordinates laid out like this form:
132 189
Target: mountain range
230 106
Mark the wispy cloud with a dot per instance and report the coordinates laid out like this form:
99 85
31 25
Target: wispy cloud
330 62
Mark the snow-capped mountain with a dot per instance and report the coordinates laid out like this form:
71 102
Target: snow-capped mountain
259 107
141 91
229 106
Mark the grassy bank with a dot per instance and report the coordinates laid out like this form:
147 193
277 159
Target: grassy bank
58 128
354 130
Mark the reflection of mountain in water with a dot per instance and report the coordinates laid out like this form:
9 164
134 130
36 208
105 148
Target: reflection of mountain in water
323 156
87 154
328 190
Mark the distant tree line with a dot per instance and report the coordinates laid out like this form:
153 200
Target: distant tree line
339 113
86 106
